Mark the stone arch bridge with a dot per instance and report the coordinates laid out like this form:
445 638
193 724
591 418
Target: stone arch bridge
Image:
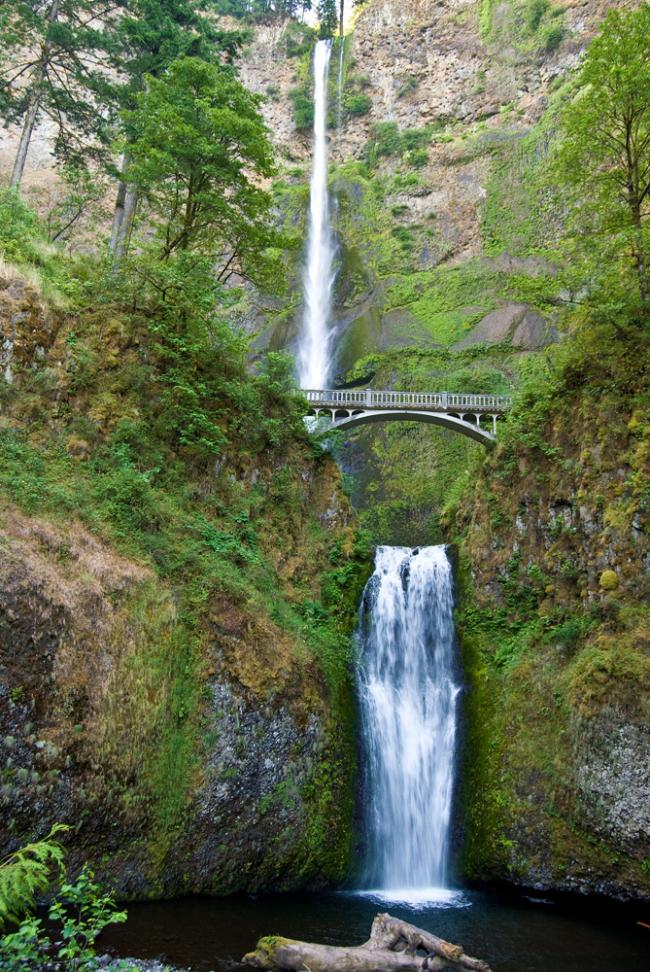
471 415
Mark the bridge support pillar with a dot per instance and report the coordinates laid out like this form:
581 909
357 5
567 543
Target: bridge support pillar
477 416
494 425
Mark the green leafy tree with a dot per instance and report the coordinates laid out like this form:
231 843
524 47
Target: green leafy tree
262 9
57 76
603 158
203 401
328 17
199 152
197 358
149 36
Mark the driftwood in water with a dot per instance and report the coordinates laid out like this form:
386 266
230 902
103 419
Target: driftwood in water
393 946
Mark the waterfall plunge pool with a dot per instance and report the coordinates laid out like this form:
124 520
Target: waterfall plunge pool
416 898
408 685
512 933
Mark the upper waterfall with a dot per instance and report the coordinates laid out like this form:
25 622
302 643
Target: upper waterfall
314 365
408 694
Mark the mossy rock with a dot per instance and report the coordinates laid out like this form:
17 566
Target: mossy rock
608 580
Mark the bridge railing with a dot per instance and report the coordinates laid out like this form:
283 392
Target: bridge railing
439 401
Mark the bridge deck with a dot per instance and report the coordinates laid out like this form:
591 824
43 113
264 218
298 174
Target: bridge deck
366 398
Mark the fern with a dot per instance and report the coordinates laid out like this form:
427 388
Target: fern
27 872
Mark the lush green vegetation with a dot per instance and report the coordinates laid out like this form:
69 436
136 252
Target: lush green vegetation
556 647
552 629
532 25
78 911
167 445
603 163
171 450
140 415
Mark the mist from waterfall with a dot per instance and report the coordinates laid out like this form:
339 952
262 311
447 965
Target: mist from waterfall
314 344
408 694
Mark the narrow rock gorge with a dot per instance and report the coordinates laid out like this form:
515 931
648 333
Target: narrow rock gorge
183 561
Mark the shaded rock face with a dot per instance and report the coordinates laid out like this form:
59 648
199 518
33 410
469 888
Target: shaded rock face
558 654
515 322
178 770
26 325
613 780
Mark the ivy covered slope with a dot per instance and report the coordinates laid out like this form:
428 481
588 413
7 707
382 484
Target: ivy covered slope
175 631
554 533
554 621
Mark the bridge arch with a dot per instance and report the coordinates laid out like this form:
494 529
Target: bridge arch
349 408
453 422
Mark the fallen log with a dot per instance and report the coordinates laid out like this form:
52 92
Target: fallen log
393 946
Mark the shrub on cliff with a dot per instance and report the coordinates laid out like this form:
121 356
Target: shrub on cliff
26 251
358 104
79 911
303 108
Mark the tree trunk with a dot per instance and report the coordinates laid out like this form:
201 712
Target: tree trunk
118 214
341 19
122 231
639 255
34 104
25 139
393 946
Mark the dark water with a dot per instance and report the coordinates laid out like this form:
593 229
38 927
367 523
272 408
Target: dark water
513 935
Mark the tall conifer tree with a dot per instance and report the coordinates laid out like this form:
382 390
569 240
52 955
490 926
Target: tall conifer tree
50 67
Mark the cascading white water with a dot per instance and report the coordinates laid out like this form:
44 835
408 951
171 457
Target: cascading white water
408 695
339 84
314 363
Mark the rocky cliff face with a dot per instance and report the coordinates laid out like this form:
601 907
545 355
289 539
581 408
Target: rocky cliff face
218 755
215 778
468 83
196 732
554 619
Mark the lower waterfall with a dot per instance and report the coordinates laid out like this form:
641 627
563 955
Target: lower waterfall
408 699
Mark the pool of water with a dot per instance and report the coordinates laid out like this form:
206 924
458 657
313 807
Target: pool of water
512 934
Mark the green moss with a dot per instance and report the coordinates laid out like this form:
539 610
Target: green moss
484 805
511 216
609 580
610 673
